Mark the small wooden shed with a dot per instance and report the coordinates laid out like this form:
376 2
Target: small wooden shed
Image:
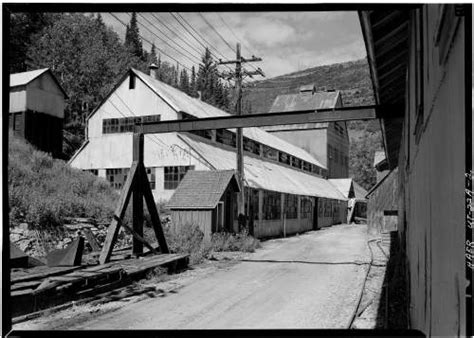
36 110
205 198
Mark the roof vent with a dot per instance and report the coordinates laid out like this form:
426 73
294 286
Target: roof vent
308 89
153 68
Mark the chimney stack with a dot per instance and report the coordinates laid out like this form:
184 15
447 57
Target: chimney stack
199 94
153 68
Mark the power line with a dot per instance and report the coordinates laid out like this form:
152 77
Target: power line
215 31
177 35
151 44
148 29
235 36
159 30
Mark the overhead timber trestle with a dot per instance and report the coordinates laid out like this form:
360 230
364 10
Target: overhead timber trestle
137 181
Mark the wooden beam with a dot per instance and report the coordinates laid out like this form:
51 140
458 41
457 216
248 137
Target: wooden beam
138 237
137 198
155 217
259 120
114 227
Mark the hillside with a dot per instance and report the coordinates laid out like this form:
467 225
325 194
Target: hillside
353 80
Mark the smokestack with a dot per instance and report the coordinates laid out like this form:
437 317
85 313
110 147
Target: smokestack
199 94
153 68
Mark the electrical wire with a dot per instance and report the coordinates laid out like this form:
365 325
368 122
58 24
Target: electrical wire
148 41
159 30
217 33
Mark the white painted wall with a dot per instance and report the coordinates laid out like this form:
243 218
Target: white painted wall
125 102
17 99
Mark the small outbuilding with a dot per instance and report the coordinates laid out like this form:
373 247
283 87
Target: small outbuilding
206 199
357 203
36 110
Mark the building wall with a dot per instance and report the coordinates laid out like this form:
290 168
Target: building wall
384 197
43 95
432 177
336 167
140 101
186 218
17 99
312 141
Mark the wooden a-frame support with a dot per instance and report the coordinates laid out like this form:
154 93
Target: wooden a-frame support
137 185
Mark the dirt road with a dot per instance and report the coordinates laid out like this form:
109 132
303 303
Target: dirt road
285 284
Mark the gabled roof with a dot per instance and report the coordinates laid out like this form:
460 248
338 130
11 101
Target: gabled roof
22 79
342 184
379 183
202 189
359 192
181 102
304 101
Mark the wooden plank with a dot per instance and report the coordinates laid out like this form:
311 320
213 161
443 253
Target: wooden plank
25 285
91 239
114 227
259 120
155 217
140 238
43 272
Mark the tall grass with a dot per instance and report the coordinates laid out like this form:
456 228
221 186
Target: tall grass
43 191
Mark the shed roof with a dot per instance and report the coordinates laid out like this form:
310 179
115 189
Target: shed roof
379 156
262 174
23 78
304 101
202 189
359 192
343 185
181 102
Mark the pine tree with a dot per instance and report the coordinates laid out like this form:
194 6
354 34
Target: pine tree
152 56
184 82
132 37
99 19
207 78
192 85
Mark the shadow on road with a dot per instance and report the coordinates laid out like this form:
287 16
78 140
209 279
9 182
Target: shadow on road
392 311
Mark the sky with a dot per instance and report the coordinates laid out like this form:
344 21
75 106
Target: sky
286 41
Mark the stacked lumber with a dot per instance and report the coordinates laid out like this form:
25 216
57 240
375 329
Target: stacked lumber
44 287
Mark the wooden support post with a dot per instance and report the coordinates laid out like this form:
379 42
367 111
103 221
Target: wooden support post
114 227
137 205
155 217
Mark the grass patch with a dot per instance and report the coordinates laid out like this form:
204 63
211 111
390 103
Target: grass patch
43 191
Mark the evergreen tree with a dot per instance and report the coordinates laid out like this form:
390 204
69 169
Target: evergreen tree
99 19
132 38
192 85
152 56
206 78
184 82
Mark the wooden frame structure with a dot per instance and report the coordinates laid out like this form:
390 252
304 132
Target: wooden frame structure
138 185
137 182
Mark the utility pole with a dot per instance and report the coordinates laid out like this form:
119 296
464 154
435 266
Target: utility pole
238 75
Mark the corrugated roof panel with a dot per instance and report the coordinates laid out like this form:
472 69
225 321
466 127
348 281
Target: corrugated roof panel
21 79
304 101
201 189
342 184
182 102
262 174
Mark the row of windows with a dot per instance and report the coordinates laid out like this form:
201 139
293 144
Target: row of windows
126 124
291 206
271 205
174 175
337 156
118 176
328 208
